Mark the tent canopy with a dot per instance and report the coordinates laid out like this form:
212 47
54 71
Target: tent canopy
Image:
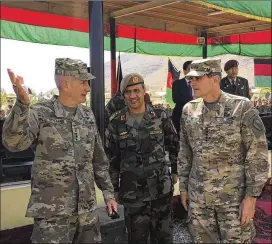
158 27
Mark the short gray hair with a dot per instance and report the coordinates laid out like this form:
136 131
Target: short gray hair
60 78
216 74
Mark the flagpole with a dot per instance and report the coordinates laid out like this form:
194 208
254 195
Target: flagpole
113 56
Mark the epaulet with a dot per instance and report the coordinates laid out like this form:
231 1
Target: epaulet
159 111
114 115
229 96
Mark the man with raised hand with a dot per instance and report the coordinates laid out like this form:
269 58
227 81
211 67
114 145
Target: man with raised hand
69 157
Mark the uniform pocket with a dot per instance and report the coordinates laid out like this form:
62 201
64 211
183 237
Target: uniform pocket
248 231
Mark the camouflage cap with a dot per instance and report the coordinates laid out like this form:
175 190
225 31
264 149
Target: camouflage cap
131 80
72 67
204 66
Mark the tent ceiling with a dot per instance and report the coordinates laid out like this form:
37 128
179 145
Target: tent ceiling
187 17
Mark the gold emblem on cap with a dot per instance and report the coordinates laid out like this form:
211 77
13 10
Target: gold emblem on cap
135 79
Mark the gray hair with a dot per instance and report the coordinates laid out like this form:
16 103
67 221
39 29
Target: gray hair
219 74
60 78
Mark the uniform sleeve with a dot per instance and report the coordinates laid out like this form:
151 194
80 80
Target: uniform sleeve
113 153
222 84
171 143
101 169
20 128
254 139
184 157
247 89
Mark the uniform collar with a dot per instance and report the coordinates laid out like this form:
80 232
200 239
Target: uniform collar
219 107
60 111
149 115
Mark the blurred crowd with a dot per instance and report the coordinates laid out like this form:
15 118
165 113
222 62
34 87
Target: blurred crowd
263 106
4 113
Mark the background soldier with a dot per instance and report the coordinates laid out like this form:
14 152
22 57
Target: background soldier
182 93
232 83
137 138
69 157
223 159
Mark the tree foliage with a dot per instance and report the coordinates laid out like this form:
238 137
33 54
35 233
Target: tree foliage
3 97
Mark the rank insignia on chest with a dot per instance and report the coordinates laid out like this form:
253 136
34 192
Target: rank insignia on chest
152 114
123 133
123 117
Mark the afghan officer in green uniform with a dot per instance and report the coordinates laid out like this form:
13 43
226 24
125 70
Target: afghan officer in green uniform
137 139
223 159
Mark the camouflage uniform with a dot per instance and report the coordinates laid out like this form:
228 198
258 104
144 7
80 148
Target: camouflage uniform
223 157
69 159
116 103
138 158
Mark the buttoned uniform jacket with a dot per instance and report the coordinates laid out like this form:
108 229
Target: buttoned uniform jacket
241 87
139 166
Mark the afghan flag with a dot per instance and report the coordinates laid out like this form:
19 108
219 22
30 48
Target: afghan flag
173 74
262 72
119 76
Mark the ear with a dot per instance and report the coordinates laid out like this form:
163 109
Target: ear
216 79
64 85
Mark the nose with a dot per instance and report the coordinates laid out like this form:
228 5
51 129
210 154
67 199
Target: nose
132 95
87 87
192 81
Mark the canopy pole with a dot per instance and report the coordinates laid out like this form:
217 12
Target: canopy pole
113 56
204 48
96 38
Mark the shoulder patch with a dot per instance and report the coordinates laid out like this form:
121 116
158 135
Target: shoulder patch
114 115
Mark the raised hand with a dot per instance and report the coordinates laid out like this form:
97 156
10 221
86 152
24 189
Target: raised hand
20 91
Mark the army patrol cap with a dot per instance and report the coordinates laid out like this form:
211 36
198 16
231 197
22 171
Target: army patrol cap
72 67
130 80
204 66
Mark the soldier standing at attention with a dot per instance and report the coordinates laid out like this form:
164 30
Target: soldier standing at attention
232 83
223 159
137 139
69 157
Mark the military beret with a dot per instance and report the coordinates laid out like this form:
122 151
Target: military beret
72 67
130 80
204 66
230 64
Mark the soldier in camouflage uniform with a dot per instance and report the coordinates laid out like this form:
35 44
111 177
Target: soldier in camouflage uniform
137 139
223 159
69 157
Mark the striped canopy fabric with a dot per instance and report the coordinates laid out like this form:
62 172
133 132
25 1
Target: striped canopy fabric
38 27
262 72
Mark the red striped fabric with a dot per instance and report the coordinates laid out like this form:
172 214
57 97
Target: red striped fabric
260 37
233 39
43 19
263 69
147 35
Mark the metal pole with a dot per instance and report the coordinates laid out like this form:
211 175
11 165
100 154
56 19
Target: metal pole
96 35
113 57
204 48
